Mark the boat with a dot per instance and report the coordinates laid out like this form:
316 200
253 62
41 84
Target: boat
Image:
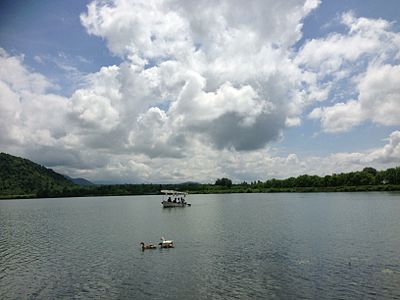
173 198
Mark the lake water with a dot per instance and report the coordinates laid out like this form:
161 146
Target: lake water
245 246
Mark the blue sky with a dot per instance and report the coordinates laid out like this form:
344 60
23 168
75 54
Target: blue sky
52 30
169 91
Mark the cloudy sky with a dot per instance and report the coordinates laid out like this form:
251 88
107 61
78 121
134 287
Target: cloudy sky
183 90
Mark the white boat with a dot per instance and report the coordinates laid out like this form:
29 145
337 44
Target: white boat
173 198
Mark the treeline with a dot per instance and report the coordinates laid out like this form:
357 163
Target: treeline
369 179
102 190
21 178
115 190
366 177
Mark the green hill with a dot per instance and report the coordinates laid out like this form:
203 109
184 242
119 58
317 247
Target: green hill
21 177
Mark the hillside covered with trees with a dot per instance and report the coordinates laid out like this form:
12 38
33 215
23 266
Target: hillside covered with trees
21 178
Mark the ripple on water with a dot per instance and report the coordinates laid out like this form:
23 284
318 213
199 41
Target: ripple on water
89 248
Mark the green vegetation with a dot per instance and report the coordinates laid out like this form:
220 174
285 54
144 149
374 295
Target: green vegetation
225 182
21 178
369 179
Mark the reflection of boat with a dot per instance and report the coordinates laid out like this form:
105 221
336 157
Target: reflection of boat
173 198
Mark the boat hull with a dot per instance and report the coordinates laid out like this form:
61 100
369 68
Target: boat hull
173 204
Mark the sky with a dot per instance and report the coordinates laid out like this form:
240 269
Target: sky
182 90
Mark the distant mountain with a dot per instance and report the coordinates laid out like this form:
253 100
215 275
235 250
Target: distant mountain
80 181
19 176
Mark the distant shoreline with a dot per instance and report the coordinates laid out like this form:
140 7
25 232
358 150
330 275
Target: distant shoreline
22 179
232 190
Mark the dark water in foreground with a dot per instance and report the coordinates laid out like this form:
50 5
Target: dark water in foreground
245 246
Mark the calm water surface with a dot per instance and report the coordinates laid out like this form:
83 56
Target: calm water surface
245 246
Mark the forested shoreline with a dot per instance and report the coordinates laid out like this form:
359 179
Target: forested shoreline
21 178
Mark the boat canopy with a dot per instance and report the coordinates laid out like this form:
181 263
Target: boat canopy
172 192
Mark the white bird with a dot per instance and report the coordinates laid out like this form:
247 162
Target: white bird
166 243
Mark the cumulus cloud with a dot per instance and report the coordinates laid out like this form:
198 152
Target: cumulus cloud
390 153
56 132
203 87
365 60
29 114
93 111
380 158
378 100
339 117
205 164
364 38
34 121
219 71
379 94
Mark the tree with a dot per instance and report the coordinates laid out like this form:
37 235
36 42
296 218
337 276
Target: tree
370 170
392 175
224 182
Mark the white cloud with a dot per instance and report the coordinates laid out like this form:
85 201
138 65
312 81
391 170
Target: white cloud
38 59
219 71
93 111
18 78
380 158
202 89
140 30
338 118
379 94
364 39
150 148
390 153
205 164
28 113
378 100
362 72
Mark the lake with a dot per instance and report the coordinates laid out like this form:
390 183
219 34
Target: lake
244 246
